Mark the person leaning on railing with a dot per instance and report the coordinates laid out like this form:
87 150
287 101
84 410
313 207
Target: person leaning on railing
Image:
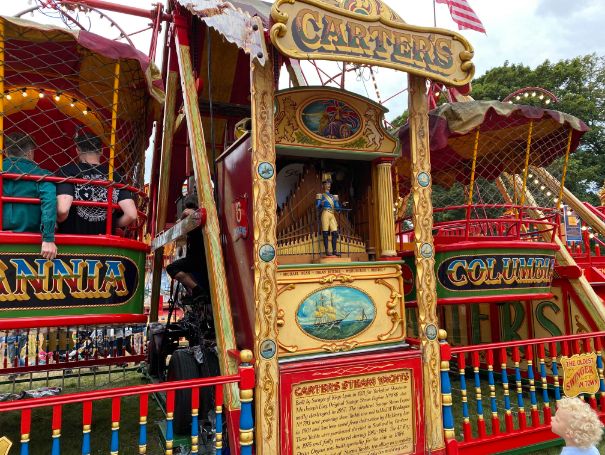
86 219
191 270
17 217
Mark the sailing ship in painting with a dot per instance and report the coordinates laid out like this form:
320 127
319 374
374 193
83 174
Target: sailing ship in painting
337 313
325 312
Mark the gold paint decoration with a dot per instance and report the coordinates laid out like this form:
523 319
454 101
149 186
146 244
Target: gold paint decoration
311 318
314 30
329 279
340 347
295 129
5 445
396 299
265 285
426 293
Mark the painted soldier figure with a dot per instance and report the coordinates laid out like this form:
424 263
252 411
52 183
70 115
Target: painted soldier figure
328 204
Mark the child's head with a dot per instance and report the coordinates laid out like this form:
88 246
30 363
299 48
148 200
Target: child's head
577 423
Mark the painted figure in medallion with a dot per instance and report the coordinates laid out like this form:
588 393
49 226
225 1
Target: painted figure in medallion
328 204
331 119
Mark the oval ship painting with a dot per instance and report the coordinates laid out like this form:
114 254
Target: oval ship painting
336 313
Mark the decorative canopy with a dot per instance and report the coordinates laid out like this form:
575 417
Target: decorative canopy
236 21
56 82
502 140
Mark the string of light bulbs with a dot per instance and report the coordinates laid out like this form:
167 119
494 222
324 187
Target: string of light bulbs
57 95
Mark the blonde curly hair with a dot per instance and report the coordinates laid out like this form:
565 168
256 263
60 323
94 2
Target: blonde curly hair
583 426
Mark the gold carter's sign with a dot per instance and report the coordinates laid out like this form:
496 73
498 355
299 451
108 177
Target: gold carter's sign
311 30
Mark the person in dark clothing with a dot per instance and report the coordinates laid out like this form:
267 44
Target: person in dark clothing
185 270
82 219
18 217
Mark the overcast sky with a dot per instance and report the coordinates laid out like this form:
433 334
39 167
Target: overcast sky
520 31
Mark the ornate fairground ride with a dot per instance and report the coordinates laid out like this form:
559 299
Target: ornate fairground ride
359 278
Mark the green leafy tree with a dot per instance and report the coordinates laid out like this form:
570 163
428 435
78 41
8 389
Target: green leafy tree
579 84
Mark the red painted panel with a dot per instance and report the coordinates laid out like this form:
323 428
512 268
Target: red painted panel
295 373
508 441
234 175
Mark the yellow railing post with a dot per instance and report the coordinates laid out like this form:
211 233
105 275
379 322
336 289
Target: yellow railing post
564 170
526 167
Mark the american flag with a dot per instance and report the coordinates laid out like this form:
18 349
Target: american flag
463 15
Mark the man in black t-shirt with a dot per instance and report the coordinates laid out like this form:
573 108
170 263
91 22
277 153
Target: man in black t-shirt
83 219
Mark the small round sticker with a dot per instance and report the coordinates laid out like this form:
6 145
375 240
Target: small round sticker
267 349
265 170
426 250
423 179
431 332
267 252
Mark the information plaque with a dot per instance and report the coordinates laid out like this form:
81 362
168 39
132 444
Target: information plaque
331 415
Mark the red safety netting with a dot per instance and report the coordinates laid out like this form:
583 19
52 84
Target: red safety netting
482 155
56 83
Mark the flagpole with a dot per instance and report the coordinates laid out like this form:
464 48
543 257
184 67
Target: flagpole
434 15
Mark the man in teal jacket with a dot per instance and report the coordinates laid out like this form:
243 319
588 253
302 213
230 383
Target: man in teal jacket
19 159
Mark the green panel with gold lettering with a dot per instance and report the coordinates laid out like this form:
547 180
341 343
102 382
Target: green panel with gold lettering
81 280
487 272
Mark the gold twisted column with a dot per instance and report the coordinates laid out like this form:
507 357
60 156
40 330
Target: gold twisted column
264 209
383 185
424 251
221 305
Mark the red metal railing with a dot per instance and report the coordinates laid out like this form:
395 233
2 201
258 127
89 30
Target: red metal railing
55 405
515 386
535 224
108 205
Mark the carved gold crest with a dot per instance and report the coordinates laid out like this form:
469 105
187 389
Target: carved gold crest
315 30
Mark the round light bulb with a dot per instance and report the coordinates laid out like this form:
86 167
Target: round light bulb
591 236
8 96
530 176
518 97
533 93
542 187
41 94
57 97
536 181
548 193
547 101
526 94
23 92
541 96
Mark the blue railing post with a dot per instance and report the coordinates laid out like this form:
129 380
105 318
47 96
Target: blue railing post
446 395
246 385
